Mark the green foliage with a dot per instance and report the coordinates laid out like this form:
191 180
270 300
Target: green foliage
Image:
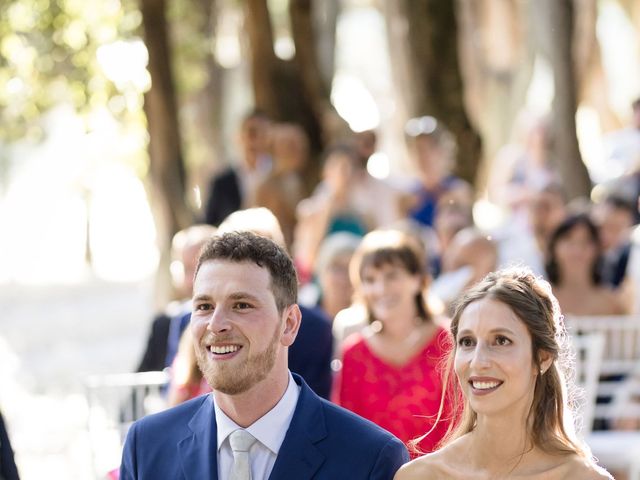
193 42
48 55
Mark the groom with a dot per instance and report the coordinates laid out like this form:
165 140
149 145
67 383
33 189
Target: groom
261 422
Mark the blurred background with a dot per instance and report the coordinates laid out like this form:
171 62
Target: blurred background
115 114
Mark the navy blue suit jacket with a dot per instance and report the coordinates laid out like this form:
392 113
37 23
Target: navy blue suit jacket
311 353
324 441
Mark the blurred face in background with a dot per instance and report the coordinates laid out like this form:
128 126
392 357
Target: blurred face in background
614 225
254 139
335 283
576 252
290 148
389 290
431 160
546 212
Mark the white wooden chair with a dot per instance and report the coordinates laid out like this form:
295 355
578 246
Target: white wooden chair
617 450
588 350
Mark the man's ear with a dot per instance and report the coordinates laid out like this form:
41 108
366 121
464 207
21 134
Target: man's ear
292 319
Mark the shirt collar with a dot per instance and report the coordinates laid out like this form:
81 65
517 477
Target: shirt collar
271 428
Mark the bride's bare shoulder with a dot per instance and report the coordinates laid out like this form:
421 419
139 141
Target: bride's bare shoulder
578 468
432 466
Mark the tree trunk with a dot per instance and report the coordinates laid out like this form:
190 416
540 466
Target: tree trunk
496 64
433 46
291 91
556 23
207 107
325 14
590 75
167 172
263 59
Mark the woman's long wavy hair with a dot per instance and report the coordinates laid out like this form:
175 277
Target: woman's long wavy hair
550 419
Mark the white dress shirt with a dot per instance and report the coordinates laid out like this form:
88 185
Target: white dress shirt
269 430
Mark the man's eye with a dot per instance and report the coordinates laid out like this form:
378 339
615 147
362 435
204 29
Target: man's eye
500 340
242 305
202 307
465 342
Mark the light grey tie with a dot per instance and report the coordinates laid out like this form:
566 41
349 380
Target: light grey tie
241 441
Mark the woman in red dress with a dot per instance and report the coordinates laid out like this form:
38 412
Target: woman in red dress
392 370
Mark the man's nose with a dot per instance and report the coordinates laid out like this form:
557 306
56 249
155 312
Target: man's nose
218 321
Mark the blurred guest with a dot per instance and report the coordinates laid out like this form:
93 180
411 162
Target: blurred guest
283 188
8 469
365 144
453 214
433 149
167 326
523 166
614 218
234 187
471 255
389 371
509 359
573 268
622 152
332 290
187 381
526 244
347 199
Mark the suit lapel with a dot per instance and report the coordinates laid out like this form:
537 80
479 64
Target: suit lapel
197 462
299 457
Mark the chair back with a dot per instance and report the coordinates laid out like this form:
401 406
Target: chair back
621 336
588 349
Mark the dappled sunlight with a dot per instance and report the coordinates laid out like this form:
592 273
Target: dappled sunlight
378 165
617 38
72 185
121 229
124 63
354 103
589 134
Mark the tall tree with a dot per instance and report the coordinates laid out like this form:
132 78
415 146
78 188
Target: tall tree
430 31
290 90
199 87
497 65
555 24
166 165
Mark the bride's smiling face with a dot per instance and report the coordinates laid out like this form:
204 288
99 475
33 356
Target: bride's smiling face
494 360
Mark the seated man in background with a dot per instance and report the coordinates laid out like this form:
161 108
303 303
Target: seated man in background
261 421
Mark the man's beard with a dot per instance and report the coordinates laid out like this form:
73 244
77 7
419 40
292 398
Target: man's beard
236 379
